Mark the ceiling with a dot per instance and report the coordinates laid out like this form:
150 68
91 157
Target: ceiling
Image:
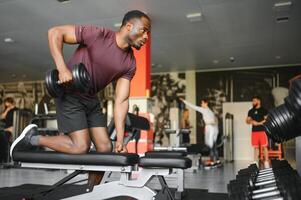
244 29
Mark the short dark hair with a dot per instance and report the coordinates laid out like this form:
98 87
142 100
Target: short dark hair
9 100
256 97
205 100
133 14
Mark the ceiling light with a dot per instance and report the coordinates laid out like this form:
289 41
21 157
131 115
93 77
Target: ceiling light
194 17
64 1
282 19
277 57
283 6
215 61
8 40
117 25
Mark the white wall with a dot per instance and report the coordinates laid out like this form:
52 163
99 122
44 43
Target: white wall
191 97
242 131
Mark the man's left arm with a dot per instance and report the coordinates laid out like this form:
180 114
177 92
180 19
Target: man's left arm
121 108
265 113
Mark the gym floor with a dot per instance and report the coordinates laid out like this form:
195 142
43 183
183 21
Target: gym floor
215 180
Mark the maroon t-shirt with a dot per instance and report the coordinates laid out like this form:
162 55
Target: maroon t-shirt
104 60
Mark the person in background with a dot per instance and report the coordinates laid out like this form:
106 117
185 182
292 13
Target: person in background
7 128
256 117
211 129
185 124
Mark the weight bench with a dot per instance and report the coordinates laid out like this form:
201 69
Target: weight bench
125 163
193 151
177 174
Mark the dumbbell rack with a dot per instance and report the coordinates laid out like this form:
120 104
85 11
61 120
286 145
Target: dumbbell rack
281 182
283 121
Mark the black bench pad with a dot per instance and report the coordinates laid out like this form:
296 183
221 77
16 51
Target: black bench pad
165 162
92 158
165 154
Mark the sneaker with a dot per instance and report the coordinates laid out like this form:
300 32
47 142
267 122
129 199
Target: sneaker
209 164
23 141
218 163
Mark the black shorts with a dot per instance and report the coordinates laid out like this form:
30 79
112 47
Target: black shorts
75 113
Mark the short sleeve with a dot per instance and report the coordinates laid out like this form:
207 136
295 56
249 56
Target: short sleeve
250 113
87 34
130 73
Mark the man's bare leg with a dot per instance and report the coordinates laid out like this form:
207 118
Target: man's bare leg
100 138
256 155
266 157
77 142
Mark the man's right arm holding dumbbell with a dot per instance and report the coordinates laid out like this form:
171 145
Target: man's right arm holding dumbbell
57 36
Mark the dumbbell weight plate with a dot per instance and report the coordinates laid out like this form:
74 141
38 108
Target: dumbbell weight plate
292 123
272 127
280 122
297 98
284 120
296 87
81 78
269 130
293 101
51 80
269 126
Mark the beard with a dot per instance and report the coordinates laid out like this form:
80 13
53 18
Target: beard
136 46
132 43
255 105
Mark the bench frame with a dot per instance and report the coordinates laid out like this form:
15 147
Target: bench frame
126 186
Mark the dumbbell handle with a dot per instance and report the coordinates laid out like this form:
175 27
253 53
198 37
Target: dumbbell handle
267 194
265 183
266 169
263 175
265 172
265 179
264 190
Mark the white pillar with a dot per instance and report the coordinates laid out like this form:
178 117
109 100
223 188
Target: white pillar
191 97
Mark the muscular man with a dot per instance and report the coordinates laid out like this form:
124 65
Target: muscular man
6 133
108 56
256 117
211 128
